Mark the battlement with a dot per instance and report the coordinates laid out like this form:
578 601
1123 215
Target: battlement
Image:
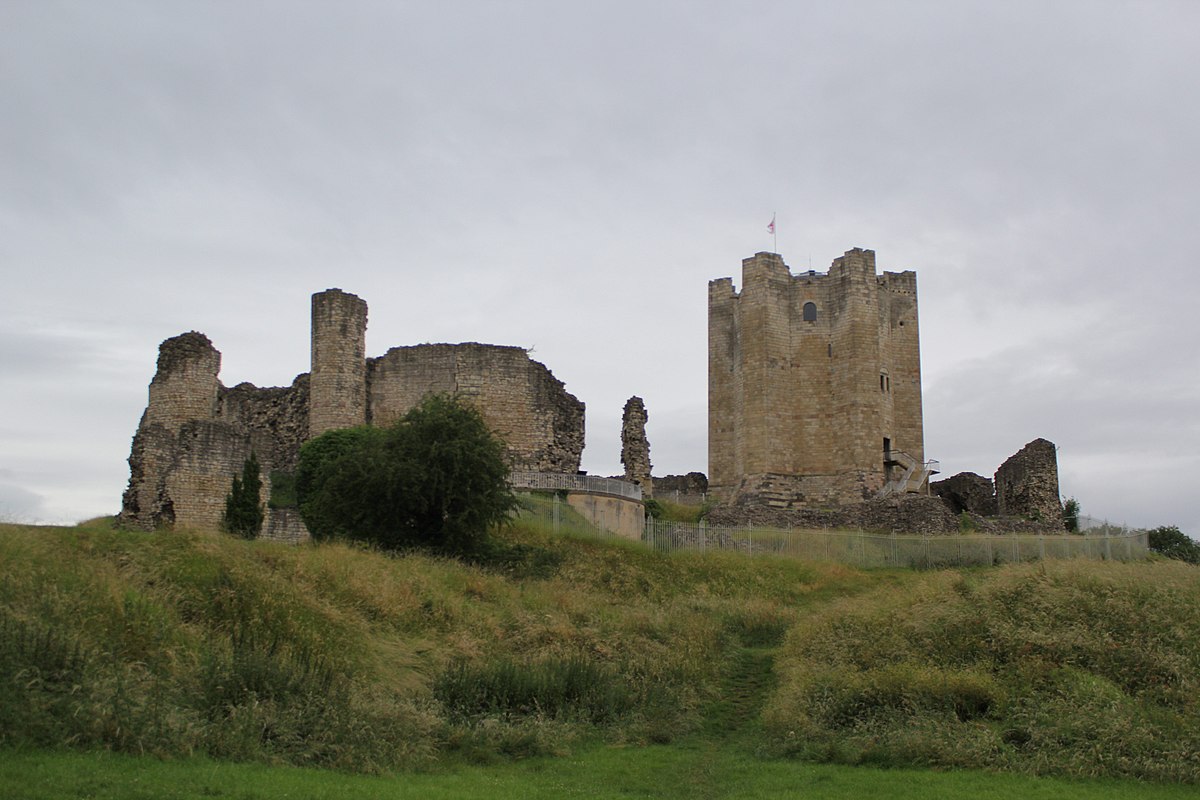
812 377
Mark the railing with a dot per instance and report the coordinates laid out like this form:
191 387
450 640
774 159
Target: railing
553 482
861 548
866 549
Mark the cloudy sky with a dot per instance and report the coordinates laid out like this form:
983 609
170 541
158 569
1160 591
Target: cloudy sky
568 176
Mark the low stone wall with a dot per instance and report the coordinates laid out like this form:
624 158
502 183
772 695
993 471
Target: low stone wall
625 518
968 492
285 525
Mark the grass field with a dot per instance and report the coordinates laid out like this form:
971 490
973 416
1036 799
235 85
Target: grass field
173 662
656 771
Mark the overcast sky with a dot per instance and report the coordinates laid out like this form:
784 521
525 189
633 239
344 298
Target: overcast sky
568 176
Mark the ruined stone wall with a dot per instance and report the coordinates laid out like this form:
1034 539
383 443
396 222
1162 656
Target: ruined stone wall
1027 483
968 492
808 376
541 424
338 387
276 419
195 434
184 387
691 483
207 456
635 447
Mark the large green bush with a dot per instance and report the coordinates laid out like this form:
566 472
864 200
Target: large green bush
436 479
1171 542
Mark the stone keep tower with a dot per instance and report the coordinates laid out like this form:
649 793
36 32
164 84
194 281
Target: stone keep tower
814 384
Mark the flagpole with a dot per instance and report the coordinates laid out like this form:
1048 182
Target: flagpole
774 233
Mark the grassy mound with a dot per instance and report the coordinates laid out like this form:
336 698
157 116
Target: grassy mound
181 643
1065 667
334 656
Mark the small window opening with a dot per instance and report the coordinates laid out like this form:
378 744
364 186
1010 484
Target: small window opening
810 312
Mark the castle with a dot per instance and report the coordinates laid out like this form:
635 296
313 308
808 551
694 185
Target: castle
814 403
814 384
196 434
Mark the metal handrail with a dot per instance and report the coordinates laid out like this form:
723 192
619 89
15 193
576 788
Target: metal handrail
591 484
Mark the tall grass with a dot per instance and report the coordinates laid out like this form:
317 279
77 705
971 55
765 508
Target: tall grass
185 642
196 643
1064 667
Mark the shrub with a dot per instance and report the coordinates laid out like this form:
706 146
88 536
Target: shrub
243 511
1171 542
1070 515
436 479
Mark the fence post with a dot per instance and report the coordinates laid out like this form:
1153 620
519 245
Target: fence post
555 512
702 527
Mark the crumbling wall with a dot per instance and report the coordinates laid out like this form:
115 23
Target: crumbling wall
1027 483
183 390
338 387
694 483
635 447
195 434
542 425
968 492
276 419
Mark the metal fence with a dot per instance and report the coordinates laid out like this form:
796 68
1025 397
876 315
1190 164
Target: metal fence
865 549
551 482
862 548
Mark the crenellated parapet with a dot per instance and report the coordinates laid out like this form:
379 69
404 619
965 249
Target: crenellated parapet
813 379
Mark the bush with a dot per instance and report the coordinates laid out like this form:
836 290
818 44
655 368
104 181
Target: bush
1070 515
243 511
1171 542
436 479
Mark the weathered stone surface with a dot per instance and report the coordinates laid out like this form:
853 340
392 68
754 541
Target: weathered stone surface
1027 483
902 514
811 378
338 383
968 492
635 447
541 424
285 525
275 418
689 489
195 434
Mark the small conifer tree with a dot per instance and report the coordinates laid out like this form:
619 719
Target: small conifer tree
1070 515
243 512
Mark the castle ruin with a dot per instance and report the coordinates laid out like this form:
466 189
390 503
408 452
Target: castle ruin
196 434
814 384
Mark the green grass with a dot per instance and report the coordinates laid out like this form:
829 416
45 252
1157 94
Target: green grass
653 674
603 772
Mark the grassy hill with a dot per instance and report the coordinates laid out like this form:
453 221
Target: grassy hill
192 643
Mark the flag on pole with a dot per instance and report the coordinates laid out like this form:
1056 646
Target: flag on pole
771 226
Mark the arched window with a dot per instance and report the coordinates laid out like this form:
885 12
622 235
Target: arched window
810 312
